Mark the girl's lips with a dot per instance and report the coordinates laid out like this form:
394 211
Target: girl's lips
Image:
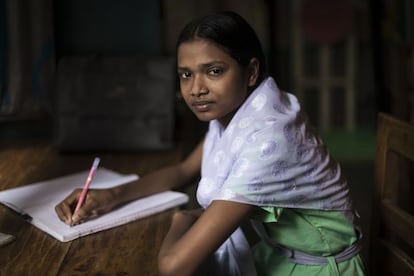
202 106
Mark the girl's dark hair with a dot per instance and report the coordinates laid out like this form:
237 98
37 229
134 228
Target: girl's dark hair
232 33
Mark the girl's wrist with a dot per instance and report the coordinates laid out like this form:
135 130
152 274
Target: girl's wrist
120 194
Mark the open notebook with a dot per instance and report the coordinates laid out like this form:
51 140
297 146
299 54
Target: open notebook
37 203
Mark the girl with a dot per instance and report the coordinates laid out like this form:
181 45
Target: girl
260 160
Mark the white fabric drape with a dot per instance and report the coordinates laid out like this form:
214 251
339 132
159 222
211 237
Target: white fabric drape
269 155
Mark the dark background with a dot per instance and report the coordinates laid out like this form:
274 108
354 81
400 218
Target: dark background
34 40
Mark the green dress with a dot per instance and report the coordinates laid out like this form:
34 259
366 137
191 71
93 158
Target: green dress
316 232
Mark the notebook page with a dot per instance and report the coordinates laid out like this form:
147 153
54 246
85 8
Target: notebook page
40 193
50 223
38 201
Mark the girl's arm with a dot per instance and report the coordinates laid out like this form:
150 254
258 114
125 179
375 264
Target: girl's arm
190 240
104 200
171 177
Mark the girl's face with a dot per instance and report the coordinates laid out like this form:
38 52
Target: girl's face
212 83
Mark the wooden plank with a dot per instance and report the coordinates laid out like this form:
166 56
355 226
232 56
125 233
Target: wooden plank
399 221
130 249
127 250
350 65
400 137
396 261
17 164
395 143
32 253
325 89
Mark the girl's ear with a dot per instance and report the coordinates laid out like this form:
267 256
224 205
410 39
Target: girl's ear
253 72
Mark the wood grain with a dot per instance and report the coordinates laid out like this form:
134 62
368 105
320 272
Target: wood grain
392 224
130 249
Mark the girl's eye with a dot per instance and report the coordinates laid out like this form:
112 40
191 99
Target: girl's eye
215 71
185 75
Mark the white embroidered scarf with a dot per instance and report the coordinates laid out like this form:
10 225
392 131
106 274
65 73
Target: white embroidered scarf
269 156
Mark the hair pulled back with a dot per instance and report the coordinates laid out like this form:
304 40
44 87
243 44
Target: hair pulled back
232 33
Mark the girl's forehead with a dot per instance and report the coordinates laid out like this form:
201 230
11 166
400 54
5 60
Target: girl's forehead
200 49
200 45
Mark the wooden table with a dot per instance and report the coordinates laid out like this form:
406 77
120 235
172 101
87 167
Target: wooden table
130 249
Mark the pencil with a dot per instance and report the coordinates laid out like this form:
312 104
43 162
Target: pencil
87 183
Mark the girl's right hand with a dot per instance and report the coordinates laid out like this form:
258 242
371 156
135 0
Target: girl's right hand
97 202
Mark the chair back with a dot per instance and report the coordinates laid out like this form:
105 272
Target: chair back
392 228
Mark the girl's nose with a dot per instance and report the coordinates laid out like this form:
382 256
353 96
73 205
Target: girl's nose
200 92
198 88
